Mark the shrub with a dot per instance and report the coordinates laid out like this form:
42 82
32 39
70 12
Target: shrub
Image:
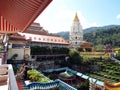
84 85
37 76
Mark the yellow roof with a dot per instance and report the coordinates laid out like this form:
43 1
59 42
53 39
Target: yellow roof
76 19
110 86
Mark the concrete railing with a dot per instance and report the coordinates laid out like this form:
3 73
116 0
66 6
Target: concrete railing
11 81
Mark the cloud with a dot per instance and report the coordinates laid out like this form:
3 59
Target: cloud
56 19
118 16
84 22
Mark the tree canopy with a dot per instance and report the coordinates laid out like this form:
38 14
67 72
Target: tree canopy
104 36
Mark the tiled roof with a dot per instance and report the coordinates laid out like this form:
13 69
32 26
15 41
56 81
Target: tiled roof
86 44
17 36
35 24
38 34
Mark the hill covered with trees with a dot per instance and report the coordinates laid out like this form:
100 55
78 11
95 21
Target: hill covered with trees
104 36
99 35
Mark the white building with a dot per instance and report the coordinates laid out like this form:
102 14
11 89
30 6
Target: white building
76 33
39 37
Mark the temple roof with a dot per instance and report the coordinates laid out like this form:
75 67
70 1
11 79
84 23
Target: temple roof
17 36
76 19
86 44
36 29
66 74
38 34
44 37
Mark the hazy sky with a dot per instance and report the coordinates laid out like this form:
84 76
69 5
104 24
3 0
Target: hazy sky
59 14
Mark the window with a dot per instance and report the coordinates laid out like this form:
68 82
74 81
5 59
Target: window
30 38
34 38
23 35
39 38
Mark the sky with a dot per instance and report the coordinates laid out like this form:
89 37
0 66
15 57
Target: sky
59 14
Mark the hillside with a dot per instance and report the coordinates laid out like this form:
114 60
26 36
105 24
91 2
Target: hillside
104 36
99 35
91 29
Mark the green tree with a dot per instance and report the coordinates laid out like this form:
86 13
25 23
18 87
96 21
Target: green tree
75 58
84 85
118 55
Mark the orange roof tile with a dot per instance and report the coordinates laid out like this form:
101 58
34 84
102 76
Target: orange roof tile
86 44
17 36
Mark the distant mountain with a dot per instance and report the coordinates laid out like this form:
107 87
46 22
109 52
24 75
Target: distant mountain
91 29
104 36
65 35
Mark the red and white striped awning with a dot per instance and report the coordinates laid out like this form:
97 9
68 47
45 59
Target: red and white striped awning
17 15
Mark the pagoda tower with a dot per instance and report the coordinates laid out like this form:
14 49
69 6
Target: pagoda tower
76 33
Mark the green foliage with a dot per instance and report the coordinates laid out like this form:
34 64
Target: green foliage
40 50
118 55
75 58
84 85
88 60
15 69
104 36
109 70
37 76
88 49
80 49
99 48
33 75
14 57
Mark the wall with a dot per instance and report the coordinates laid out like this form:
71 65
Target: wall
20 51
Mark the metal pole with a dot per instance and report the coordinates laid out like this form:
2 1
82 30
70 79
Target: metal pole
5 42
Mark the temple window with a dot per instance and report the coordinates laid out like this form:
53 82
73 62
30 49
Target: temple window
39 38
34 38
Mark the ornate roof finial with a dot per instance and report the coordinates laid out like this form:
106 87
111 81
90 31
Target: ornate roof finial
76 19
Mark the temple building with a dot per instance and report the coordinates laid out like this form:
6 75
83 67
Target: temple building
40 37
34 35
76 33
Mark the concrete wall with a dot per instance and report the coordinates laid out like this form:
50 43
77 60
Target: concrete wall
20 51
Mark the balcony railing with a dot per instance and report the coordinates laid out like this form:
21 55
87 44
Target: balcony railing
7 81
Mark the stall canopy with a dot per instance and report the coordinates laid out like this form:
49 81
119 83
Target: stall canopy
17 15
